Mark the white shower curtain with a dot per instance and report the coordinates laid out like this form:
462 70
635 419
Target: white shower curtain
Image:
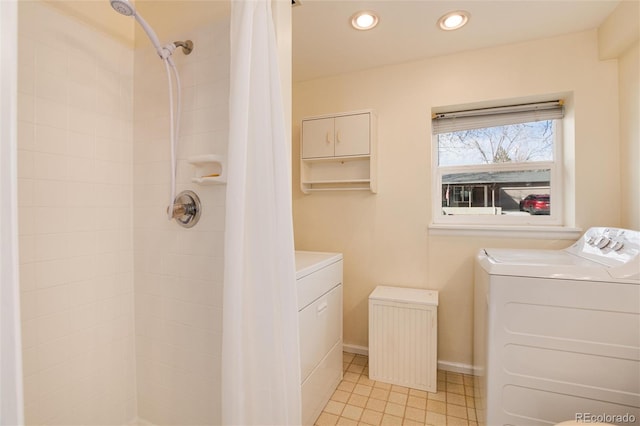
11 399
260 362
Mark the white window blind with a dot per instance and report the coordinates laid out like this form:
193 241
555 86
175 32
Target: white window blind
453 121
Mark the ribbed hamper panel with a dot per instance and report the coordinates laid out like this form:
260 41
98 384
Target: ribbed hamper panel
402 344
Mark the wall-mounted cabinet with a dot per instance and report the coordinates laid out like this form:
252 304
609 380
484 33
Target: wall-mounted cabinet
338 152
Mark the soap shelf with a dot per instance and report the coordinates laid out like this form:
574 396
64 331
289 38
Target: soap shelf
210 169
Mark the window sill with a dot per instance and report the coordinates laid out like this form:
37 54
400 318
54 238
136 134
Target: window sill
531 232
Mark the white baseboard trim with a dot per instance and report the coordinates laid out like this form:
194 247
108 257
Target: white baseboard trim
140 422
355 349
454 367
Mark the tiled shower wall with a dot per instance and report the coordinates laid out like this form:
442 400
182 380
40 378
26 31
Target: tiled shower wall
178 271
75 221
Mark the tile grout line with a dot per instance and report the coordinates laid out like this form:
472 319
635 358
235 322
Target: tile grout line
355 368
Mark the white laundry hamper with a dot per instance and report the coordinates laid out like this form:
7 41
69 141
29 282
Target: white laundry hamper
403 336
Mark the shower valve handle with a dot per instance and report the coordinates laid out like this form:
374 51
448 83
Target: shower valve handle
186 209
182 210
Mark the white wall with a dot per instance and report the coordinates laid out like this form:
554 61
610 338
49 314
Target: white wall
618 38
629 70
384 237
178 271
76 253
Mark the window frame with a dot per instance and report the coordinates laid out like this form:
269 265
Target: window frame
556 167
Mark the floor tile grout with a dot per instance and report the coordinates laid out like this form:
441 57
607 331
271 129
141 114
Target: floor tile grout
363 402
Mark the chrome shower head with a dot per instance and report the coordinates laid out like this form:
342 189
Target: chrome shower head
123 7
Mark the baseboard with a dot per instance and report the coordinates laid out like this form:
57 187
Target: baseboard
454 367
355 349
140 422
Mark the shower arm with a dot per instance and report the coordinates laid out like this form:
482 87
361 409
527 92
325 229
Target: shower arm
163 51
187 46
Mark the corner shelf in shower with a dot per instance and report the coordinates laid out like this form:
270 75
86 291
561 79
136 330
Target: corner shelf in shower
206 167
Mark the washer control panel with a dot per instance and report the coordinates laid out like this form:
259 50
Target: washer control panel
609 246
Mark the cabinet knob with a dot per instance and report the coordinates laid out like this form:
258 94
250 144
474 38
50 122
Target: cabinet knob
328 137
338 136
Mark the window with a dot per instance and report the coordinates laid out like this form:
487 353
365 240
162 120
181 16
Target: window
499 165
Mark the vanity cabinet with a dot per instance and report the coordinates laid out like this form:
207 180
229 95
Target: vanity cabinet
319 284
338 152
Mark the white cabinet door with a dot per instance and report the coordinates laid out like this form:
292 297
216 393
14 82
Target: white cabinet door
320 329
352 135
318 138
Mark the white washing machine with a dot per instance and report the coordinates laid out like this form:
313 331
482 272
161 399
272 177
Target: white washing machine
557 332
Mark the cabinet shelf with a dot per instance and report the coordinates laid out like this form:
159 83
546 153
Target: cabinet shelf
209 169
334 159
312 182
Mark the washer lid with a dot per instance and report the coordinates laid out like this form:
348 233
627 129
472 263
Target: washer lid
307 262
556 264
537 257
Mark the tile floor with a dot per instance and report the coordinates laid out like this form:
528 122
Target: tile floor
360 401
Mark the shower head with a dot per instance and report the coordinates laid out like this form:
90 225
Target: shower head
123 7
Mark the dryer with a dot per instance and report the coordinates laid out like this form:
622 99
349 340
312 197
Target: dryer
557 332
319 282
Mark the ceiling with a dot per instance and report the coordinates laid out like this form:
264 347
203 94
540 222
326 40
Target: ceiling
324 43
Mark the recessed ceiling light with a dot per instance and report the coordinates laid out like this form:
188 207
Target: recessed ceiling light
364 20
453 20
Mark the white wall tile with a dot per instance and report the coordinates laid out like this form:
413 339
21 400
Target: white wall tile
50 139
27 79
51 246
77 167
49 166
52 273
74 214
26 107
28 300
50 193
28 277
82 95
25 164
49 220
52 327
27 249
26 135
81 144
82 120
51 113
25 192
178 272
82 69
51 59
50 86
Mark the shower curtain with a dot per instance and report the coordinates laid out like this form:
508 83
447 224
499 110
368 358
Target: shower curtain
11 399
260 362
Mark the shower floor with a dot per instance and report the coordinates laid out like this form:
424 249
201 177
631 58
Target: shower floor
360 401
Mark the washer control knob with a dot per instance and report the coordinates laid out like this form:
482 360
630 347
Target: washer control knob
602 241
617 245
